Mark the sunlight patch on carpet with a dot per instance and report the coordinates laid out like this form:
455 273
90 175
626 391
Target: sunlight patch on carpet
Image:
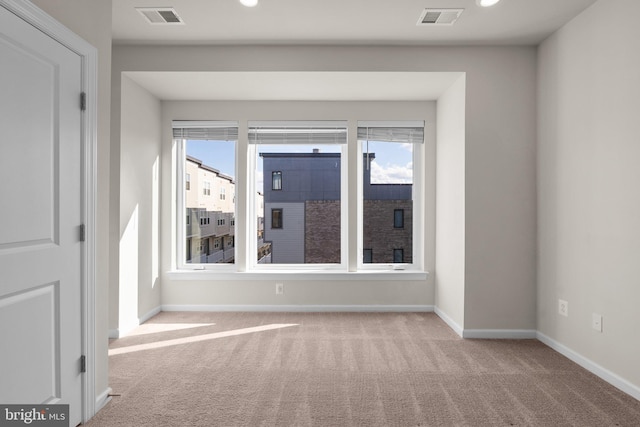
152 328
198 338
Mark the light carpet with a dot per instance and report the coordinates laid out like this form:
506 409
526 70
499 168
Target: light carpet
345 369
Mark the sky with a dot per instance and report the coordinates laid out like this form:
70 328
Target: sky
392 164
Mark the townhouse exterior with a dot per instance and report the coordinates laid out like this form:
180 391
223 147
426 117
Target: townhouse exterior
302 211
210 214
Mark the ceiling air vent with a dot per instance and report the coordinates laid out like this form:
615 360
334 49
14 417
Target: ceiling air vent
439 16
160 15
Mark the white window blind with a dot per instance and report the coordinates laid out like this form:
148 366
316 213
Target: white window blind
298 132
205 130
398 131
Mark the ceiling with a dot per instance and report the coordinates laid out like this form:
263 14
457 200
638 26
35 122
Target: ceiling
373 22
332 22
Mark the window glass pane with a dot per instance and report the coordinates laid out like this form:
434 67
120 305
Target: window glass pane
387 203
209 230
302 223
398 218
398 255
367 256
276 218
276 180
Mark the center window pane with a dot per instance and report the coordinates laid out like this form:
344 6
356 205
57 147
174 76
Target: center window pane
299 210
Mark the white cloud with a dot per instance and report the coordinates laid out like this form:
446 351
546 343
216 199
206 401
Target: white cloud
391 174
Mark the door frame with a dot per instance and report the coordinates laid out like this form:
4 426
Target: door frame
89 60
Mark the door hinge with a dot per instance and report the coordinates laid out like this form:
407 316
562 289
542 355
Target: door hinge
82 232
83 101
83 364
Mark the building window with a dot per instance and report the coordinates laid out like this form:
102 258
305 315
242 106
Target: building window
276 218
206 155
398 218
367 256
398 255
276 180
391 158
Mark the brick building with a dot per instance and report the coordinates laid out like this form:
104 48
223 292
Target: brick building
302 211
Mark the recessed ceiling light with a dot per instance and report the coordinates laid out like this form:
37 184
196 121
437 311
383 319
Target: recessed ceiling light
486 3
249 3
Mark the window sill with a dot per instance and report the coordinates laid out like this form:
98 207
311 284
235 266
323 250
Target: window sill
212 275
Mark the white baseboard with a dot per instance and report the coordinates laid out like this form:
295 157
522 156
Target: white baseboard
301 308
449 321
123 331
149 315
503 334
613 379
103 398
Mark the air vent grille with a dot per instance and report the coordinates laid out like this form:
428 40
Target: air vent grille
160 15
439 16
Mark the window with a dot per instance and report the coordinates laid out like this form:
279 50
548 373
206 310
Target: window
310 155
379 210
276 180
390 150
206 155
276 218
398 218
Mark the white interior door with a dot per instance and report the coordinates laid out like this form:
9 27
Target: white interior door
40 218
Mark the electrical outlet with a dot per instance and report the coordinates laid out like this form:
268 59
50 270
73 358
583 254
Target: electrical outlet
563 308
596 322
279 288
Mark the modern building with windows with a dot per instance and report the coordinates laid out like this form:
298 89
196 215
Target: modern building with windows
302 211
210 214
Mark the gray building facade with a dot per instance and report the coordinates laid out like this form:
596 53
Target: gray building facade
302 211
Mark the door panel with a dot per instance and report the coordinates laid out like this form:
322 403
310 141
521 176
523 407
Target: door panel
40 217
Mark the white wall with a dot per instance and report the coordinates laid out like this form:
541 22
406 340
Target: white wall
91 20
139 204
450 208
589 203
499 165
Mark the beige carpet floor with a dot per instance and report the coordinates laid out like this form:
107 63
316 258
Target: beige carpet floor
345 369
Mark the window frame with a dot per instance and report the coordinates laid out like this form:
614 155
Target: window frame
417 196
246 267
179 209
252 262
